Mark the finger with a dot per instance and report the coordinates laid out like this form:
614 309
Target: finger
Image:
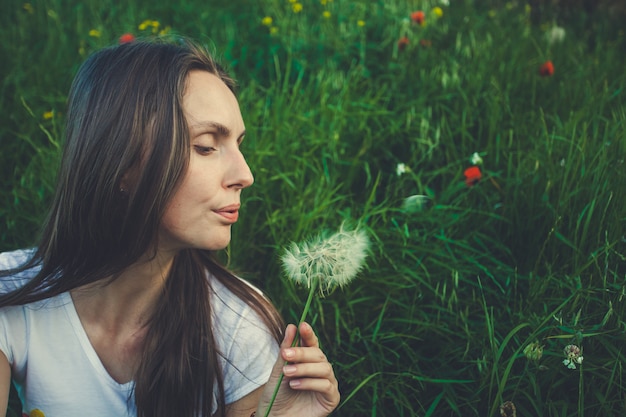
303 354
308 336
290 334
328 389
310 370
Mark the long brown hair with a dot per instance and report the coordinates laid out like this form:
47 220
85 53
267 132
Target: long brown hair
126 129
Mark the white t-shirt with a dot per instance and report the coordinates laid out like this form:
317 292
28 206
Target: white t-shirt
58 372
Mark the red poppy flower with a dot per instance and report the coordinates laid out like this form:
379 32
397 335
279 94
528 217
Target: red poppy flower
126 38
546 69
472 176
426 43
418 17
402 43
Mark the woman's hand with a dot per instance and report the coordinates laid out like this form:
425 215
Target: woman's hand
309 387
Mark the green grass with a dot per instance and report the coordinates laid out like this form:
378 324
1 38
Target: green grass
453 293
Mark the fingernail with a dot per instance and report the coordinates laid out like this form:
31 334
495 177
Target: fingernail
289 369
294 383
289 353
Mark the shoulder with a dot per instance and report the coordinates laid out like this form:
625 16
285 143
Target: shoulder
11 261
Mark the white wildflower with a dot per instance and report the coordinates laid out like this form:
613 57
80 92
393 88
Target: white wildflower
444 2
573 356
555 35
402 169
327 262
476 159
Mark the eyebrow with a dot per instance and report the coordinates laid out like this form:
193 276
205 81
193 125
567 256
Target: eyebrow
221 129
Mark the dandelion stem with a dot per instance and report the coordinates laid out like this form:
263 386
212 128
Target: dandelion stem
307 306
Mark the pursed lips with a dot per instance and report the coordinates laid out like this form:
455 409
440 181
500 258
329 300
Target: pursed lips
230 213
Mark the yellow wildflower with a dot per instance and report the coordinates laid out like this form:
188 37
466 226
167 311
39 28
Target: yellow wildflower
360 23
94 33
323 2
48 115
144 25
297 7
326 14
273 30
29 8
267 21
165 30
293 1
437 11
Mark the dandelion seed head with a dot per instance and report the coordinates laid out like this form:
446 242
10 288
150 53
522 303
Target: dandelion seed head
329 261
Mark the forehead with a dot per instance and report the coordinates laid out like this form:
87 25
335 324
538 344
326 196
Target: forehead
208 99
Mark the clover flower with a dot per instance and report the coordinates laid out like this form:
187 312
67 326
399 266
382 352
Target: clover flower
533 351
507 409
573 356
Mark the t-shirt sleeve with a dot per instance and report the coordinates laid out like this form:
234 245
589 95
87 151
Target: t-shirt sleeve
13 323
248 347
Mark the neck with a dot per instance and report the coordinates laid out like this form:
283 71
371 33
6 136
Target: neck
128 300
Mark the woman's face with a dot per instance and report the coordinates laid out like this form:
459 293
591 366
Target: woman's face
206 203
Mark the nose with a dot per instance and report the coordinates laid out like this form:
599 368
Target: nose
240 175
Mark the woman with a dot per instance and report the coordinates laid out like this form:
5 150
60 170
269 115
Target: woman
122 310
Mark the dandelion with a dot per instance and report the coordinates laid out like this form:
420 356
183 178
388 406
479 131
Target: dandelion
267 21
297 7
573 356
472 176
126 38
327 262
438 11
322 264
48 115
507 409
418 17
403 42
273 30
326 14
546 69
402 169
94 33
360 23
415 203
533 351
28 8
476 159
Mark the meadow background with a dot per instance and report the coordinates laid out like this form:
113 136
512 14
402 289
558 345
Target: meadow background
473 288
